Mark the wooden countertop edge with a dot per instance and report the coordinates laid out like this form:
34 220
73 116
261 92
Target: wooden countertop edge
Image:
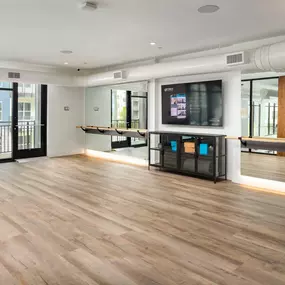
272 140
111 129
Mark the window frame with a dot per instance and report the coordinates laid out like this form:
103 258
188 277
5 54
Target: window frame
24 111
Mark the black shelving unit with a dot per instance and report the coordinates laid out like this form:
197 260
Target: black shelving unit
199 155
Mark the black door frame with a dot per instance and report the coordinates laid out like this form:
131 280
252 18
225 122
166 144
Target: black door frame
12 127
36 152
128 141
146 98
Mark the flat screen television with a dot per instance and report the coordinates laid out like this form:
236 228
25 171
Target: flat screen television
194 104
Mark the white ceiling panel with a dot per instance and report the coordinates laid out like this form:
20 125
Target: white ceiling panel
35 31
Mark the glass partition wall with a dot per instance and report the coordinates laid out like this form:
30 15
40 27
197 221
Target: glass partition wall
129 110
259 112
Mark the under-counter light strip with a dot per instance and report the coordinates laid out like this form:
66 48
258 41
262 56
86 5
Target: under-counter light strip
115 157
265 190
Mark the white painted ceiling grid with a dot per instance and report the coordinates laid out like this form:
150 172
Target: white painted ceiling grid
34 31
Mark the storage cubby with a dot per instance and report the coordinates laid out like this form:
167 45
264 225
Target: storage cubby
200 155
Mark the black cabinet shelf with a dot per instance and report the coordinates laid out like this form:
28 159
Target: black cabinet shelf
199 155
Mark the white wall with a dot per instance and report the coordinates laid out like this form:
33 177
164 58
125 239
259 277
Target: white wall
41 76
99 97
232 109
62 136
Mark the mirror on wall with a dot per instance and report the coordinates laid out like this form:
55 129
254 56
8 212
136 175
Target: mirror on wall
259 120
129 110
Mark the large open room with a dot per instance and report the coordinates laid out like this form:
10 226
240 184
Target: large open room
142 142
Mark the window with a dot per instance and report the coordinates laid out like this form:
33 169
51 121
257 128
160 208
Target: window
26 90
24 111
7 85
128 111
1 110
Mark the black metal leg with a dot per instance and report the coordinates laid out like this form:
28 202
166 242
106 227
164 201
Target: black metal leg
226 159
214 161
149 151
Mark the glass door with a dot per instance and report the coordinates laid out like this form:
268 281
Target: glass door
6 95
29 117
129 110
138 116
119 117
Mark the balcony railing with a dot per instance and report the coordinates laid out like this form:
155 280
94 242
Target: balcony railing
135 124
26 135
123 124
5 137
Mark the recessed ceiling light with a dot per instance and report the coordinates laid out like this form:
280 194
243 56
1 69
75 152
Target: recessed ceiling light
66 51
88 6
152 43
66 63
208 9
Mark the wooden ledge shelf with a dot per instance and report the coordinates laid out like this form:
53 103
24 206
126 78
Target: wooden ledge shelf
134 133
258 139
272 144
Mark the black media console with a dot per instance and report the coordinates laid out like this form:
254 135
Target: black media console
199 155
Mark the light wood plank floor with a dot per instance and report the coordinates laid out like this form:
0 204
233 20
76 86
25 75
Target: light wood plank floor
78 220
264 166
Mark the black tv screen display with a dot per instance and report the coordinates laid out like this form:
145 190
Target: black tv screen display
194 104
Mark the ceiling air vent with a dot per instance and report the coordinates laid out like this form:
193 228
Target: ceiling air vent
120 75
14 75
235 58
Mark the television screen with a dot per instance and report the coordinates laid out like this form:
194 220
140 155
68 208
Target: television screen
194 104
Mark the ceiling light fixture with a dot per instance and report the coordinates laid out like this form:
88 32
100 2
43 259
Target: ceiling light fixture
88 6
66 51
152 43
208 9
66 63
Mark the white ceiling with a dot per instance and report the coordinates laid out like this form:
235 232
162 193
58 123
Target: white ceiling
35 31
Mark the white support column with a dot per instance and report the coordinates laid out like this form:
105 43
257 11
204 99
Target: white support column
152 124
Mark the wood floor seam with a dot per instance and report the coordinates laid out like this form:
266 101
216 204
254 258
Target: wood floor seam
73 220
